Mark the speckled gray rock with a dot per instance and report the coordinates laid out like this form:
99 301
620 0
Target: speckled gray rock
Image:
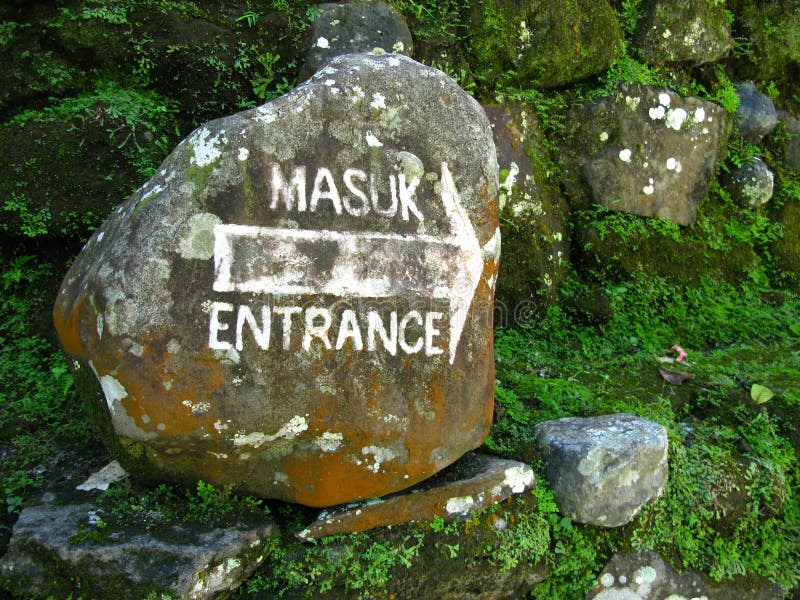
355 27
603 469
756 115
752 184
646 151
299 302
46 556
692 31
645 576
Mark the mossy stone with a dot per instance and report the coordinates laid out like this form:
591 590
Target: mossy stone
543 43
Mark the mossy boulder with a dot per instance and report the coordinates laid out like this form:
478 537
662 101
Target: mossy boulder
771 50
68 165
206 58
533 217
542 43
693 31
30 70
786 250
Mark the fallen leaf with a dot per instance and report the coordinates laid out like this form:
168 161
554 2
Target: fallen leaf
760 393
674 377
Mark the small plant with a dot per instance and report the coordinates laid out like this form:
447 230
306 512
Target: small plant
250 17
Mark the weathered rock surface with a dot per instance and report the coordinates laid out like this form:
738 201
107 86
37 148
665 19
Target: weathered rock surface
603 469
756 115
693 31
533 217
50 553
299 302
355 27
474 482
648 151
543 43
752 184
645 576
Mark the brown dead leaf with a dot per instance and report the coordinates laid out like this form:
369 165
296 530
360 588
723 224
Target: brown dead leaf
674 377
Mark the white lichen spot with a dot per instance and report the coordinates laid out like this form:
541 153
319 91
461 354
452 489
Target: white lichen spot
645 575
657 112
161 427
625 155
205 147
664 99
675 118
378 101
460 505
518 478
200 408
244 153
196 236
699 115
607 580
603 136
220 426
649 189
289 431
373 142
173 346
398 46
215 579
219 455
323 43
381 455
632 103
507 185
329 441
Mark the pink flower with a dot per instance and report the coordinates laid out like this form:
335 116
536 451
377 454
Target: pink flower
681 352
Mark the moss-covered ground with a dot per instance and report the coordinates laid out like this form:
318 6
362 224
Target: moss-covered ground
725 289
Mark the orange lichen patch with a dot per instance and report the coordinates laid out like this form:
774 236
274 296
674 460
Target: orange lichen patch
171 405
332 479
68 325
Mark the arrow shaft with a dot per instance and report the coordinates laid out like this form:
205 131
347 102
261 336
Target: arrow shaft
354 264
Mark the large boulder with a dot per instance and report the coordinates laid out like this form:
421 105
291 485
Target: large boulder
603 469
355 27
543 43
299 302
693 31
646 151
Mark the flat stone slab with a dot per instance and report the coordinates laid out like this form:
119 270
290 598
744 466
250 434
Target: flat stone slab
474 482
645 576
604 469
58 548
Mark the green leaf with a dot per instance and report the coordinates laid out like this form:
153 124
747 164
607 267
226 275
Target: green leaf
760 393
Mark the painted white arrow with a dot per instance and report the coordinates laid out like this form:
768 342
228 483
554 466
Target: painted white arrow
271 260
